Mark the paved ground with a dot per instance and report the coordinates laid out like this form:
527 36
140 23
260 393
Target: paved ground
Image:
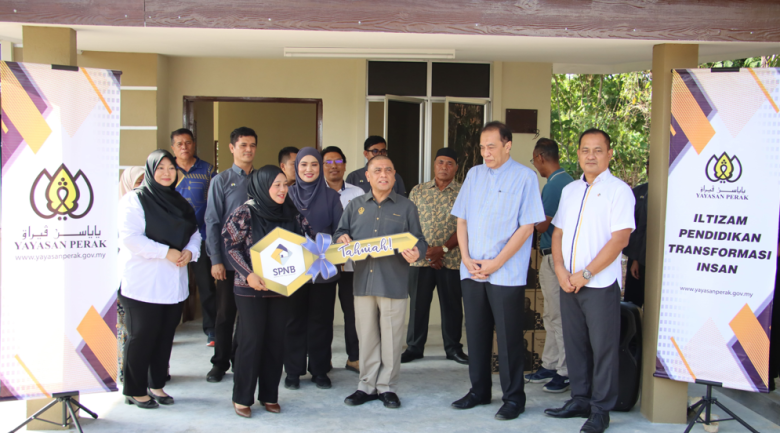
427 387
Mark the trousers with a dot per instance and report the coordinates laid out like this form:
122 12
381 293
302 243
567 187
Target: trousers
591 333
207 289
554 355
380 325
422 282
347 301
224 346
310 329
147 351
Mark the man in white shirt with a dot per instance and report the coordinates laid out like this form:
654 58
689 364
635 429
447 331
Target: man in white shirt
335 165
592 226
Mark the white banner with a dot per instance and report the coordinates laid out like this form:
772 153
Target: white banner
58 281
721 234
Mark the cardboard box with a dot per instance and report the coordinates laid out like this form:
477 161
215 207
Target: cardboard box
539 305
540 337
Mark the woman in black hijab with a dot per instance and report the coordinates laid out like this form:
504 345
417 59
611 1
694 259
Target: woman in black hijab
310 330
264 314
158 237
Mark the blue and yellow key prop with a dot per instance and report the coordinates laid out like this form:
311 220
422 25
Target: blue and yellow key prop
286 261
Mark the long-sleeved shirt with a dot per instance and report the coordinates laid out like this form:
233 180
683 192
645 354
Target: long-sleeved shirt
495 203
146 275
365 218
358 178
226 193
237 235
637 243
194 187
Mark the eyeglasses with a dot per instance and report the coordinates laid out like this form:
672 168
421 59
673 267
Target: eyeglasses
376 152
337 162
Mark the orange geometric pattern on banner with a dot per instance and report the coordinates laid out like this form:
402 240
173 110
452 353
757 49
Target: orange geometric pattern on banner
689 116
763 89
100 339
22 112
753 339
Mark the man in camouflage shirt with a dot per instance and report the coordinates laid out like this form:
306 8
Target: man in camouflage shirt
440 268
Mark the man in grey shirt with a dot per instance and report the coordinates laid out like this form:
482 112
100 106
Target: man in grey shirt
380 284
226 193
373 146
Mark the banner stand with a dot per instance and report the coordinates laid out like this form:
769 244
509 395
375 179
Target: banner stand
705 405
68 413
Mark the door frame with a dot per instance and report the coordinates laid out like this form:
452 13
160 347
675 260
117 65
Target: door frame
188 109
422 144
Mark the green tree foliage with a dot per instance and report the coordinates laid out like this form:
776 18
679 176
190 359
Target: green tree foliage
618 104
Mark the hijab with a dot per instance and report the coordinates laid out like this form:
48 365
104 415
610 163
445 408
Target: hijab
170 219
266 213
128 179
313 199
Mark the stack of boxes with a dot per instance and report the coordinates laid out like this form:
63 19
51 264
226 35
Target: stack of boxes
533 327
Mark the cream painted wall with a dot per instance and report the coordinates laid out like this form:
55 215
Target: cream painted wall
525 86
277 125
339 83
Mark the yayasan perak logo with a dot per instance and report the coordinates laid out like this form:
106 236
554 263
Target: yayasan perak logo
723 168
62 195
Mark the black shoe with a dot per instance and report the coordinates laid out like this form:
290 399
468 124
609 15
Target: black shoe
459 357
510 410
390 400
322 381
596 423
469 401
215 375
359 397
166 400
149 404
292 382
408 356
571 409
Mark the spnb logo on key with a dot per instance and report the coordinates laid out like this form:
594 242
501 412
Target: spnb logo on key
282 255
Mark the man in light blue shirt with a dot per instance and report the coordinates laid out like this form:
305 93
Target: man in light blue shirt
497 208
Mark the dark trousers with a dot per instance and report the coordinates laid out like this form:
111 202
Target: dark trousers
591 336
635 289
260 355
207 289
488 306
422 282
224 325
347 300
147 351
310 329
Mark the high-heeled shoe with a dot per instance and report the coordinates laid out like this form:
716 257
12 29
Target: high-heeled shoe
245 412
167 400
272 407
149 404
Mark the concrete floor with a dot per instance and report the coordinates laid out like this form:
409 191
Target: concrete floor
426 388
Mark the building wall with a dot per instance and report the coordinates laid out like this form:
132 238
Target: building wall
277 125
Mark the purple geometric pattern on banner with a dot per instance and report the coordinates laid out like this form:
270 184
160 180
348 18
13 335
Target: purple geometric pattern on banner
751 371
677 142
6 392
29 86
117 76
660 369
11 139
97 369
109 315
698 93
765 319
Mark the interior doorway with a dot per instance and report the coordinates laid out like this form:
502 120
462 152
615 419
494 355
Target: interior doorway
278 122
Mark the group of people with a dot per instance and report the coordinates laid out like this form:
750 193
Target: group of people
474 247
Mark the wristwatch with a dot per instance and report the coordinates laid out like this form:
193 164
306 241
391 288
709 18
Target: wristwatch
586 274
445 249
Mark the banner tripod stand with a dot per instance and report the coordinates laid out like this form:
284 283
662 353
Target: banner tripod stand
68 413
705 405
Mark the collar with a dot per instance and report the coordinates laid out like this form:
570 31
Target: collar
392 196
239 171
600 178
198 163
552 175
432 184
343 184
503 168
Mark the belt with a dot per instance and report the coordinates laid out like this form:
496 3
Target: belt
546 251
